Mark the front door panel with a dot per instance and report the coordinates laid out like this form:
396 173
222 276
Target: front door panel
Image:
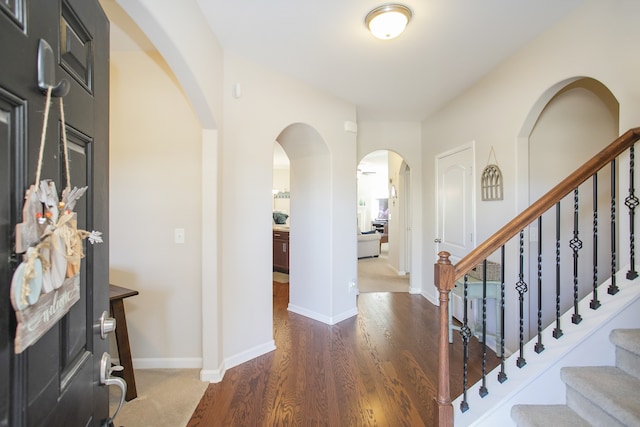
56 380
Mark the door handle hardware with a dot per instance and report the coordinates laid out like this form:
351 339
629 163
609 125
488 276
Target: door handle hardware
106 379
107 325
438 240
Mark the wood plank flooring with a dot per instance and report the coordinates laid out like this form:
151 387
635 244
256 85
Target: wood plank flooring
375 369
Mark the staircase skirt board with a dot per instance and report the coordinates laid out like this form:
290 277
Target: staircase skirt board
605 395
546 415
539 382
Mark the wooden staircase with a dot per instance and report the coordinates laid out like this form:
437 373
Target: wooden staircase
538 359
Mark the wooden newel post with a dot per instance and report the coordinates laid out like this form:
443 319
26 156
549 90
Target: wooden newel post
443 273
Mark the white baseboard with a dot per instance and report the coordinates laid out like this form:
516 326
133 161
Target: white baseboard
213 375
216 375
431 297
167 363
329 320
345 315
247 355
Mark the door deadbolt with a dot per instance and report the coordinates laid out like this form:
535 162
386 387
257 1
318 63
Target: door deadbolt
107 325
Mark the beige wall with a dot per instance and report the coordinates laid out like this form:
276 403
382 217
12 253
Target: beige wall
269 104
154 188
501 109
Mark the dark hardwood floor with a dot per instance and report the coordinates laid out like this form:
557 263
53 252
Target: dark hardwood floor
375 369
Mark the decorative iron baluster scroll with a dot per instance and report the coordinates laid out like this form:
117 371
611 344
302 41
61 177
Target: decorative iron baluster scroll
483 388
557 332
613 287
594 304
521 287
465 331
632 202
502 376
539 347
575 244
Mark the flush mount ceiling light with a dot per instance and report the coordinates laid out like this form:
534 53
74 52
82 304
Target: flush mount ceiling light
388 21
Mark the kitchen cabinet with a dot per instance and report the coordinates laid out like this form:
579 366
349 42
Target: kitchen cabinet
281 251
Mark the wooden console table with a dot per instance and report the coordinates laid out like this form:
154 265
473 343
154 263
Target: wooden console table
117 295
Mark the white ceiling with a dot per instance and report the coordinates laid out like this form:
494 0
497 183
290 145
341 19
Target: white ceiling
448 45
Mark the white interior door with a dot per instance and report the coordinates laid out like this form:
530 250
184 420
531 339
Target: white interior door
455 206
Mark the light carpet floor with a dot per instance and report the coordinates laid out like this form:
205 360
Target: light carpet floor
376 275
280 277
166 398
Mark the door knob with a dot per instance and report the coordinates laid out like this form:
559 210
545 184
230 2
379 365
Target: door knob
106 379
107 325
437 240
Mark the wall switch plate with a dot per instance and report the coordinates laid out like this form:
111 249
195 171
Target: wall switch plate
179 235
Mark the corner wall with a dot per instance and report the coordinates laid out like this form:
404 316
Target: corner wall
269 103
155 175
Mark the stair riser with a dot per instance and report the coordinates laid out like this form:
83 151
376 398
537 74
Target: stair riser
589 410
628 362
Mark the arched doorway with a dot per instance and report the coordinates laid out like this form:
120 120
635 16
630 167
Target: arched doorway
309 243
384 210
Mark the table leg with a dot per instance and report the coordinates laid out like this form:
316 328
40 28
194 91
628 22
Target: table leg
124 351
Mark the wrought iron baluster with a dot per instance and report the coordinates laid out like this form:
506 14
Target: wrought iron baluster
539 347
595 304
576 245
632 202
613 287
502 376
557 332
521 287
466 335
483 388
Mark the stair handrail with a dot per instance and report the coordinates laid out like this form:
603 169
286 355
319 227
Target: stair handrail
446 274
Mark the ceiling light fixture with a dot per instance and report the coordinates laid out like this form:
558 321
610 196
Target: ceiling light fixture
388 21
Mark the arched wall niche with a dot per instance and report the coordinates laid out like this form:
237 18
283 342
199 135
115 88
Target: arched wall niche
570 122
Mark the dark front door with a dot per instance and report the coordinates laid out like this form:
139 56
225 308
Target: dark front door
55 381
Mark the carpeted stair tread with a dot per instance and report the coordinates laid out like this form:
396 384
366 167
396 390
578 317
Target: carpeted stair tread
628 339
627 342
546 415
607 387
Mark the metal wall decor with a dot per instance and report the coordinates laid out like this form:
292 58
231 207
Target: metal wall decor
491 181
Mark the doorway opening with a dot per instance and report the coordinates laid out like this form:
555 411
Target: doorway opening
306 200
384 223
281 216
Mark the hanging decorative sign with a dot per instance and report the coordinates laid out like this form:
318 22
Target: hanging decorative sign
491 181
47 282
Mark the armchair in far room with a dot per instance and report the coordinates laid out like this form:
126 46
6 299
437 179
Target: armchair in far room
368 244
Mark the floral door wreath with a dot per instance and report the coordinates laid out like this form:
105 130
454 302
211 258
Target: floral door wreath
46 283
